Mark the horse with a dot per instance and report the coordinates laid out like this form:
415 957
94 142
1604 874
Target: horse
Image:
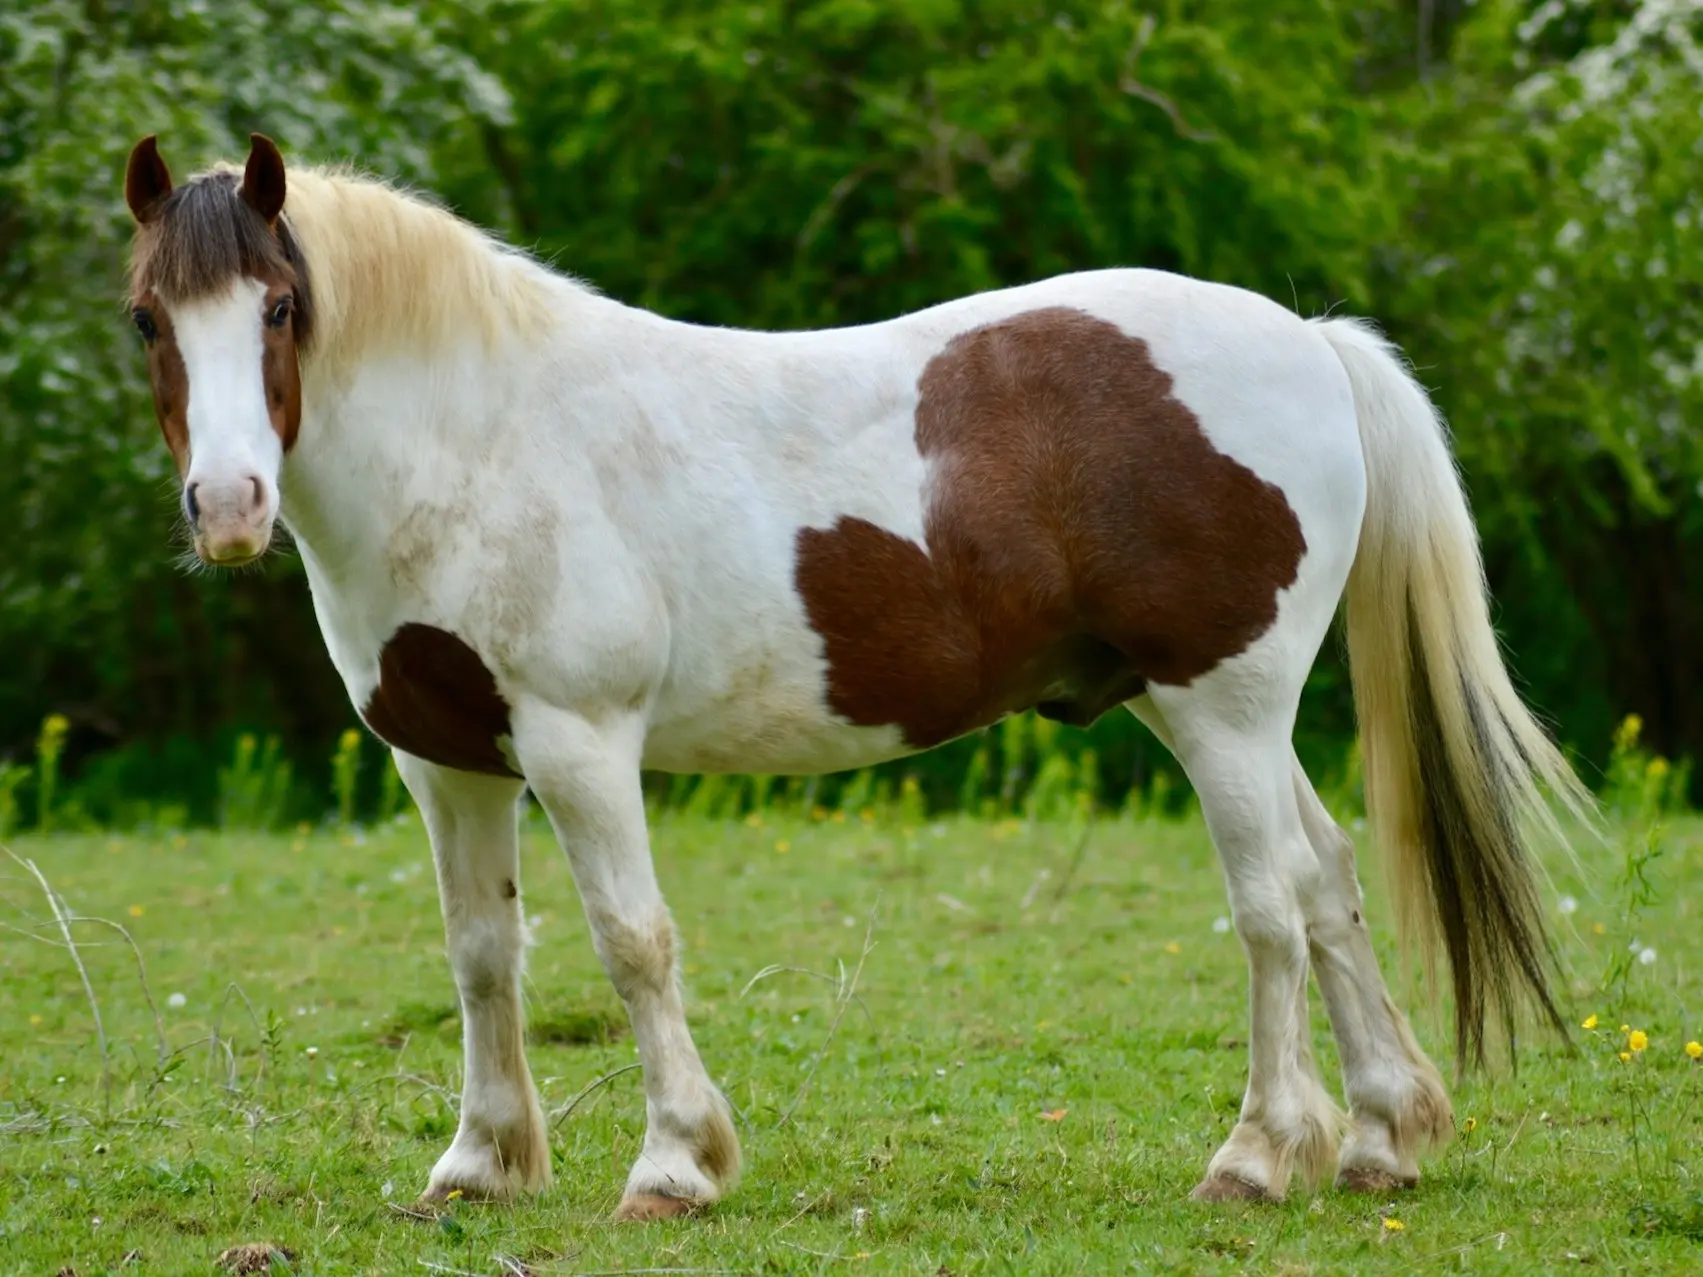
553 540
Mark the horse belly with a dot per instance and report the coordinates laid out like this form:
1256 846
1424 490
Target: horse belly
767 715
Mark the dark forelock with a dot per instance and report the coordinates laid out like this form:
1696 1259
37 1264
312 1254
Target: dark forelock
205 235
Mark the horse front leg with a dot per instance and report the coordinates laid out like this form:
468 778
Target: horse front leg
500 1146
587 777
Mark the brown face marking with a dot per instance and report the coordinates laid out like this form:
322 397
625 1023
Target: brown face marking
435 699
168 377
280 365
1084 539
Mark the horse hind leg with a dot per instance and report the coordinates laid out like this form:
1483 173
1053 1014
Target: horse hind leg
1239 766
1397 1104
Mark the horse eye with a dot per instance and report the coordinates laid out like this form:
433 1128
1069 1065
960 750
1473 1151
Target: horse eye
279 315
144 323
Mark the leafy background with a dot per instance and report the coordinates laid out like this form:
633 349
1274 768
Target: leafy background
1509 187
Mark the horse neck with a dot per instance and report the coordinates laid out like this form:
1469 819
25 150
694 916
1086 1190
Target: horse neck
401 423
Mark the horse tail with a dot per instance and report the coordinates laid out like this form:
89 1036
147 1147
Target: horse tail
1456 768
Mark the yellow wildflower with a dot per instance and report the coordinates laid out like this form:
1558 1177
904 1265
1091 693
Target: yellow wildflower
36 1019
1638 1040
839 818
1626 1028
348 740
1393 1225
783 846
1694 1050
136 911
1471 1125
1599 929
818 813
1589 1022
867 815
1625 1056
1173 947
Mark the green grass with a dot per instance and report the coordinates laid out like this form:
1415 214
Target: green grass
919 1145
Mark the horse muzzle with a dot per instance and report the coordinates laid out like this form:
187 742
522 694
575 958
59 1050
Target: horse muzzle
231 521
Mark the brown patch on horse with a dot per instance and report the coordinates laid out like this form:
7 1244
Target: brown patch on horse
1084 538
436 699
169 380
281 368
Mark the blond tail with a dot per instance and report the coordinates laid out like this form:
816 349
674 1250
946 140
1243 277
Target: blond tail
1456 768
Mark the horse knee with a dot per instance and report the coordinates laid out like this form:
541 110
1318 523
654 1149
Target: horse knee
1269 914
486 961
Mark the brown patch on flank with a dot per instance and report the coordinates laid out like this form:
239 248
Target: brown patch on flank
644 1207
436 699
253 1257
1084 538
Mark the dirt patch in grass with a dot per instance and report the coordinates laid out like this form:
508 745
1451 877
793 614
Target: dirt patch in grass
598 1026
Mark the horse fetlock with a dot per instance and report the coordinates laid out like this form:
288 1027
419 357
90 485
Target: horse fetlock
1274 1144
1390 1132
690 1158
494 1160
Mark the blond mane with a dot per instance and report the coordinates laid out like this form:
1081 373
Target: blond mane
388 268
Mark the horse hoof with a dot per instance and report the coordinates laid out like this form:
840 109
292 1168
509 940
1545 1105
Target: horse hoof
1227 1188
644 1207
1369 1179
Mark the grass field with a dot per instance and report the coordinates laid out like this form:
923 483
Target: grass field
1041 1054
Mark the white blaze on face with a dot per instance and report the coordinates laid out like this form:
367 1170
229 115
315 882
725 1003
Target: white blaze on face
231 488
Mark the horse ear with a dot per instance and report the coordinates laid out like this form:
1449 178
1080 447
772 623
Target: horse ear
263 178
147 181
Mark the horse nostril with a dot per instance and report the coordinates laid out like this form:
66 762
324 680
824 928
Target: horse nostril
259 492
190 508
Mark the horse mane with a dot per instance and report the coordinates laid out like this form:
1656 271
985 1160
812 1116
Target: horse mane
374 265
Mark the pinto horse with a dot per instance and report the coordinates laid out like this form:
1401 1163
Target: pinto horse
553 540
